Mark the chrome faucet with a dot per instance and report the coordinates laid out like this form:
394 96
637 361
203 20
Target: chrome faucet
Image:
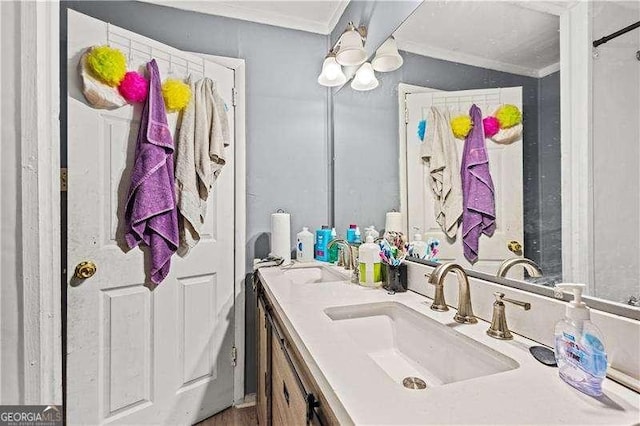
465 311
531 267
345 249
353 257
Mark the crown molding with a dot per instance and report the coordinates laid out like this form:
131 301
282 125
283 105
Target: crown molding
238 11
468 59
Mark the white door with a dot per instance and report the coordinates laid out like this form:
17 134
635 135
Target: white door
505 163
137 355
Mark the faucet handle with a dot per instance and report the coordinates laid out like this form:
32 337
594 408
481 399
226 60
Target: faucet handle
499 328
500 298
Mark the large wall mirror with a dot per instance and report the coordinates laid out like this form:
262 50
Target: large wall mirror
395 147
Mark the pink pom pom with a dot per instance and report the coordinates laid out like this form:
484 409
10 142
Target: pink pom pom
491 126
134 87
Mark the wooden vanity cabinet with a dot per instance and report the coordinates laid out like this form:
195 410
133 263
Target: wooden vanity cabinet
264 361
286 394
289 403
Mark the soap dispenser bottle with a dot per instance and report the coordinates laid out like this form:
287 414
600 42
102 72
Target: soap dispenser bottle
580 354
369 264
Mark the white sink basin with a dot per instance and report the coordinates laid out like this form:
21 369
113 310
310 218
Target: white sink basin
313 274
405 343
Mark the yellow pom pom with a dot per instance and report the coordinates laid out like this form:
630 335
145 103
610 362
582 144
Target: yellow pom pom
107 64
176 94
461 126
508 116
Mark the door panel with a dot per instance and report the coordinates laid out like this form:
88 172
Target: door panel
505 162
138 354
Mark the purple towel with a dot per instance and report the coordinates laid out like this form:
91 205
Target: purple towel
151 215
478 201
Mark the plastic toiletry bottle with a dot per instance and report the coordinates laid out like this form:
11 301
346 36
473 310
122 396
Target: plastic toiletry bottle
304 246
334 249
418 247
369 264
351 234
357 236
323 236
580 354
371 231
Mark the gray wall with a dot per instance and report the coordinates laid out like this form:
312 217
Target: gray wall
366 140
286 114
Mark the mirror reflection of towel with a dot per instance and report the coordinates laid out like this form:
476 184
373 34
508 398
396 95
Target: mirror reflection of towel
479 214
439 150
151 214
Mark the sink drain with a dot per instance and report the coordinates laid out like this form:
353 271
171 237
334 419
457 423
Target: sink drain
414 383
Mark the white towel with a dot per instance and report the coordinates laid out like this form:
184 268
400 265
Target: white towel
204 134
439 150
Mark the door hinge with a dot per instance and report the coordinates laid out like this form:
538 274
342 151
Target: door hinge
234 96
63 179
234 356
406 115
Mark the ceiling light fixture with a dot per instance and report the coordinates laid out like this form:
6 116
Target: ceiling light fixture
387 57
351 46
365 78
331 74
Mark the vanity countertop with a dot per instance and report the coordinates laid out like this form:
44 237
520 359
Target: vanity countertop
358 393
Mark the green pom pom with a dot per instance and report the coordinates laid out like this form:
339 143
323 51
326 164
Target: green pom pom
508 116
107 64
461 126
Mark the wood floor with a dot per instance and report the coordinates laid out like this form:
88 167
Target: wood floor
233 417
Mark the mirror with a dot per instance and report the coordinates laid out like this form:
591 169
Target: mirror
491 54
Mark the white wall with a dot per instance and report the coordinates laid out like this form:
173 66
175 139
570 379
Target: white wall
616 152
11 370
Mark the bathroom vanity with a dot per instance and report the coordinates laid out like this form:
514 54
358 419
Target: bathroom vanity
331 352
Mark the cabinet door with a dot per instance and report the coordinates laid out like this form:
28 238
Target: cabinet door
264 376
289 403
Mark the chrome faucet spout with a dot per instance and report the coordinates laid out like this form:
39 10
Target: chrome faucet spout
465 311
352 251
529 265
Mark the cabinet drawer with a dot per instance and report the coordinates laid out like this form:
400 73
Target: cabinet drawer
264 355
289 401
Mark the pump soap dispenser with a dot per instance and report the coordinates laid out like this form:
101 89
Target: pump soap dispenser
582 360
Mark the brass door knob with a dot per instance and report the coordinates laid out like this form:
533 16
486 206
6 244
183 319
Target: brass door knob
514 247
85 270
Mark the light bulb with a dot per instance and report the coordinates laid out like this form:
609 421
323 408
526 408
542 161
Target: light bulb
332 70
365 74
365 78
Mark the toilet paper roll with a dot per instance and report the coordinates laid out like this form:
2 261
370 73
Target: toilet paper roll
281 236
394 222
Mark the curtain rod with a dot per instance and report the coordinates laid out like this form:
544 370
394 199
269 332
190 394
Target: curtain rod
618 33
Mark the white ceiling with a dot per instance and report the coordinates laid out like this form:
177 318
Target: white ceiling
491 34
312 16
